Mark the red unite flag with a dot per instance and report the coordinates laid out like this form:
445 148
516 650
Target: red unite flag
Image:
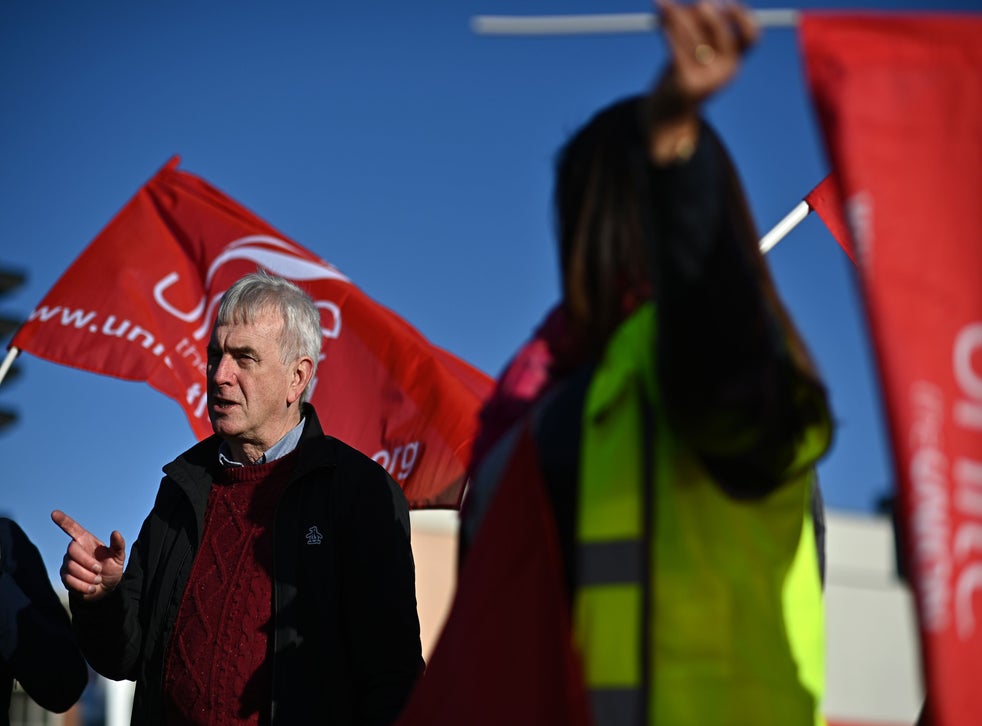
139 302
899 98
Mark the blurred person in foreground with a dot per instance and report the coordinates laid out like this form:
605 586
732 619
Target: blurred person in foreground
670 413
37 646
273 581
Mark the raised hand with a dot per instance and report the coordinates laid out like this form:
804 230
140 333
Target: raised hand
90 568
706 42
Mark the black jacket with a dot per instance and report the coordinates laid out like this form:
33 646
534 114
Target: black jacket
346 647
37 646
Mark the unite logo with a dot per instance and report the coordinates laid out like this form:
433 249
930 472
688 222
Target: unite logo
946 484
284 259
274 254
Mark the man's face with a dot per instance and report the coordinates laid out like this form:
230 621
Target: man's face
249 386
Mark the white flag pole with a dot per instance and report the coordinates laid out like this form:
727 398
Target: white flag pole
7 362
602 23
780 230
634 23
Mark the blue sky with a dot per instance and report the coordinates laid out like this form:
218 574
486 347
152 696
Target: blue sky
392 142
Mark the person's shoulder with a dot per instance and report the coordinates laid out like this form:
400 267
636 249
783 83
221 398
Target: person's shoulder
355 473
322 449
346 456
202 453
193 469
11 529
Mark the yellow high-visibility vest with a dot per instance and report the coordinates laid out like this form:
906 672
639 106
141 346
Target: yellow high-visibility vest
719 620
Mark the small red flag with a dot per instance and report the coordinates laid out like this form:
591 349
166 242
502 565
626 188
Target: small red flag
900 104
826 201
139 301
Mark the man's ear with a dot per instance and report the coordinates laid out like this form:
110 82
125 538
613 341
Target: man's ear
303 371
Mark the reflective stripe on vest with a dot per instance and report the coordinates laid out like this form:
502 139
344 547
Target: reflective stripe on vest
609 602
736 634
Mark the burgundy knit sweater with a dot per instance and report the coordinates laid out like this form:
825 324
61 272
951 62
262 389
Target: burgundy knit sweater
217 669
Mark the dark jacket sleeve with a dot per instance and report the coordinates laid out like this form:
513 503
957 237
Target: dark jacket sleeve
36 640
734 375
378 605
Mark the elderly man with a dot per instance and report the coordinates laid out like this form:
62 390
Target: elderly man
273 581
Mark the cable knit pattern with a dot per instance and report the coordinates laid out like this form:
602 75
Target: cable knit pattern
217 669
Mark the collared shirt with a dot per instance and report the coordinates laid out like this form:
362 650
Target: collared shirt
277 451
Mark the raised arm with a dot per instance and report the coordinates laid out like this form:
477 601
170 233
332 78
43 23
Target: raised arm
706 42
737 381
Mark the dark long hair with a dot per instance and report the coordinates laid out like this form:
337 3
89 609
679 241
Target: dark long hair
600 217
605 225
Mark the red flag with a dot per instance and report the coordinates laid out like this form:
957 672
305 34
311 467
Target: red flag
826 201
505 655
900 103
139 301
